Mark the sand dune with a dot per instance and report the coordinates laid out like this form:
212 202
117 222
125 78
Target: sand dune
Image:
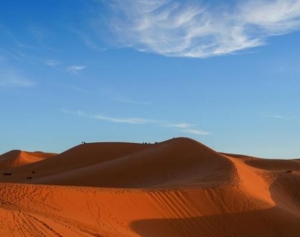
174 188
175 163
18 158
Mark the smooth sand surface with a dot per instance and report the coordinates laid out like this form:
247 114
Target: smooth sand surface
170 189
17 158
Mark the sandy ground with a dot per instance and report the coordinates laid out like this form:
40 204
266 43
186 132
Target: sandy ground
170 189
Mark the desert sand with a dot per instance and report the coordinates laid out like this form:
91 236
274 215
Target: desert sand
175 188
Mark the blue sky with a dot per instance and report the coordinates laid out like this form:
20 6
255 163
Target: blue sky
223 73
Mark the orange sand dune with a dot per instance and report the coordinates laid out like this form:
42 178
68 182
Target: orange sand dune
17 158
170 189
175 163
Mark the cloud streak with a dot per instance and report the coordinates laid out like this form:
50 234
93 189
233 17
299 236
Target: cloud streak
276 116
116 96
52 63
127 101
75 68
88 40
111 119
12 78
189 29
195 132
179 125
119 120
183 127
188 128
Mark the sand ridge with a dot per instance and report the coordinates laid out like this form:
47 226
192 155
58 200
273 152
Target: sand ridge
174 188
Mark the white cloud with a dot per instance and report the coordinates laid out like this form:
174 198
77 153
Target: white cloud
276 17
75 68
12 78
189 29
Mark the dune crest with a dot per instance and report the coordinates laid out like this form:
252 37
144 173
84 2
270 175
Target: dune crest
173 188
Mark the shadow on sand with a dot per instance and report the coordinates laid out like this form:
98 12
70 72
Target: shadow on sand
282 220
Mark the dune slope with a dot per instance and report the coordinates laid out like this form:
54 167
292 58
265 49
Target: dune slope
170 189
175 163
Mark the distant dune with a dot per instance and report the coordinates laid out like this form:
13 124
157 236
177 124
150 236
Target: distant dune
169 189
17 158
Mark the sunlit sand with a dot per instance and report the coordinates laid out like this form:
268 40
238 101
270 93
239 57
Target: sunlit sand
169 189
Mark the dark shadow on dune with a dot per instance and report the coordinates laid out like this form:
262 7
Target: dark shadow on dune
285 191
283 220
265 223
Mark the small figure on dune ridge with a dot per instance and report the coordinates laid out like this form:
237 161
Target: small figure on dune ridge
6 173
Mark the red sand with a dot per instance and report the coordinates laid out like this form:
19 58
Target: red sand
170 189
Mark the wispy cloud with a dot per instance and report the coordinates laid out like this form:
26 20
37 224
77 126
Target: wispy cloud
114 95
75 68
52 63
13 78
276 116
190 29
8 33
110 119
188 128
122 120
195 132
42 35
179 125
88 40
127 101
182 127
